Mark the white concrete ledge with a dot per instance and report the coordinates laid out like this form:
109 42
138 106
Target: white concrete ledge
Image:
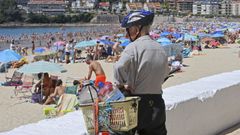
202 107
205 106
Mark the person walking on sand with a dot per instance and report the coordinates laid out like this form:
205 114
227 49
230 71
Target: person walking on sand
97 51
95 67
141 71
68 49
33 47
12 46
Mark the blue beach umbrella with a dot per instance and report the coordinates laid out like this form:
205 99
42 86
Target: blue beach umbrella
163 40
106 42
188 37
124 44
83 44
39 50
123 39
120 35
9 55
165 43
176 35
41 67
217 35
202 35
165 33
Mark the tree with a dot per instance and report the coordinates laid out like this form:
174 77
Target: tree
9 11
60 19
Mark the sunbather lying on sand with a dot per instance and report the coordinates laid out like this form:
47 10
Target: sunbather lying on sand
113 58
20 63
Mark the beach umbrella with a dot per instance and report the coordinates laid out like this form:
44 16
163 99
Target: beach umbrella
203 35
217 32
165 33
124 44
164 40
123 39
59 43
8 56
120 35
106 42
41 67
165 43
83 44
188 37
217 35
39 50
105 37
176 35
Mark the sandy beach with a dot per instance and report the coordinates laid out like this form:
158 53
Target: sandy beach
15 112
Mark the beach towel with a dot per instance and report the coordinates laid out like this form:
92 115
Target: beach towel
71 89
100 78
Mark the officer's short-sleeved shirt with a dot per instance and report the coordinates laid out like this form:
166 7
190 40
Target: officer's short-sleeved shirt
143 66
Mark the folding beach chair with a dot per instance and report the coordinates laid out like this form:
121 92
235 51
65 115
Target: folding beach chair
15 80
66 103
25 88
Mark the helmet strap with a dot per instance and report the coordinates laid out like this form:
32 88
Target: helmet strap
137 34
127 29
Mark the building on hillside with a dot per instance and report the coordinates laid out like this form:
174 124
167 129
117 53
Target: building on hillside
152 6
83 5
236 8
197 8
104 5
48 7
206 7
143 1
226 7
185 6
117 7
134 6
22 2
217 7
172 4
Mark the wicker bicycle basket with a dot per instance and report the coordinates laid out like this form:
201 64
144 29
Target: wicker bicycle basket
122 117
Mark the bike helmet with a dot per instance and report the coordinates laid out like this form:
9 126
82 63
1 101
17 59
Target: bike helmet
140 17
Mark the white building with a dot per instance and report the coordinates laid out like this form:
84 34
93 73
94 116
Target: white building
236 8
217 7
197 8
83 5
205 8
226 7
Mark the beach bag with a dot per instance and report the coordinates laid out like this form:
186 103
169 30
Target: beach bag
36 97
